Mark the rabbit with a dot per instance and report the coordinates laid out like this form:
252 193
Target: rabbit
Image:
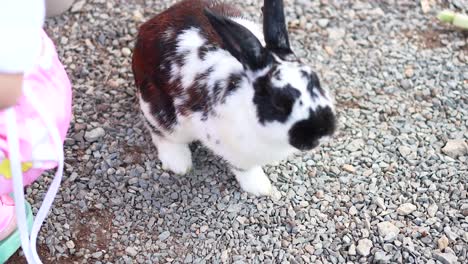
204 73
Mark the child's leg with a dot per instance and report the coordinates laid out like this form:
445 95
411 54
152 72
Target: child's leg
7 216
10 240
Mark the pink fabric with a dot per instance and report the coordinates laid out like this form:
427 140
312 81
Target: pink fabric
52 88
7 216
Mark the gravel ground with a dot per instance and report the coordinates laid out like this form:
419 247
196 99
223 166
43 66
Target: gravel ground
390 188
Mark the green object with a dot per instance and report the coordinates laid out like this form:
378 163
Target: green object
11 244
456 19
446 16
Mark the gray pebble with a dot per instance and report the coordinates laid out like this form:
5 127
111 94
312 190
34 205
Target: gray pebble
94 134
131 251
164 235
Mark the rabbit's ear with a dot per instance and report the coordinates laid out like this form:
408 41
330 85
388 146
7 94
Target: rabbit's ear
240 42
274 28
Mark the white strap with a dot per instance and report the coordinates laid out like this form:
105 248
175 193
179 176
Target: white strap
15 165
29 246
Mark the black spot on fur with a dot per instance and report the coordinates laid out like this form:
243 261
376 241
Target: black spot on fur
178 58
273 103
198 96
209 71
305 134
314 83
205 49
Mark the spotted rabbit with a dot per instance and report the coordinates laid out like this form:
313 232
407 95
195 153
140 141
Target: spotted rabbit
205 73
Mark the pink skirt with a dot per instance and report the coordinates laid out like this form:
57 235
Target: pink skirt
50 86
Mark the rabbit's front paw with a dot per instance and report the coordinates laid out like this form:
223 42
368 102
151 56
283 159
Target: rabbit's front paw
179 164
254 181
173 156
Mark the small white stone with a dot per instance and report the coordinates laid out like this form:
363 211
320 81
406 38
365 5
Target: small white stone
367 173
425 6
126 52
63 40
70 244
405 151
323 22
406 209
381 257
349 168
355 145
450 234
443 242
309 249
347 239
380 203
225 256
376 12
138 16
388 231
336 33
455 148
352 250
319 194
131 251
241 220
95 134
364 247
77 6
365 232
397 243
432 210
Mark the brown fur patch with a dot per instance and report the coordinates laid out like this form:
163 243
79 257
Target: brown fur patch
155 51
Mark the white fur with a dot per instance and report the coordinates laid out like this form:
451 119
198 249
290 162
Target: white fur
175 157
234 132
189 41
222 62
254 181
